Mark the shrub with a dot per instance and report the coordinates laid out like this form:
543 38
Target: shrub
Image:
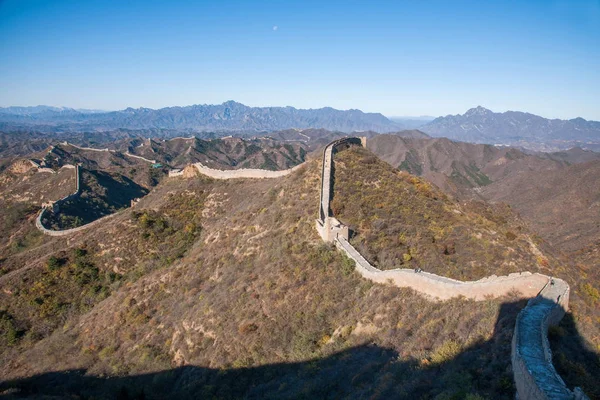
247 328
447 351
54 263
542 261
145 220
337 206
85 272
7 327
556 331
348 265
590 292
80 252
474 396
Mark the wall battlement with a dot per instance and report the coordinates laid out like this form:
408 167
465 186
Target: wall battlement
534 374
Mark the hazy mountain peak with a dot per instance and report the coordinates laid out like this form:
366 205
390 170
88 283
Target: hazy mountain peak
480 125
231 103
578 120
228 116
479 110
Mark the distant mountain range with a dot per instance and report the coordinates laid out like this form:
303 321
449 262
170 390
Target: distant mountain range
480 125
477 125
40 112
412 122
229 116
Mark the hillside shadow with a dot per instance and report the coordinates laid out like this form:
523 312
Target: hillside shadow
366 371
574 358
101 194
117 191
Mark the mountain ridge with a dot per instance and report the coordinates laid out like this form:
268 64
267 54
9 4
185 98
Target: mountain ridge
476 125
517 128
542 187
230 116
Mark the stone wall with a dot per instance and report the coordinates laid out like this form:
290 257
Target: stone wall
18 167
86 148
50 232
214 173
327 228
441 288
175 172
534 374
55 207
243 173
128 154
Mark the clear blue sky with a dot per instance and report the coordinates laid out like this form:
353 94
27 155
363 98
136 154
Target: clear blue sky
397 57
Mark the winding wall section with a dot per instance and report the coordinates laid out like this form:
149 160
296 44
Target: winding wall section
213 173
534 374
50 232
128 154
56 205
237 173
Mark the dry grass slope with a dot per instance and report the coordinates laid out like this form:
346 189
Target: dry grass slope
402 221
223 289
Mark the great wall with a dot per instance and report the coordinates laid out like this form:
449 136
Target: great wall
534 374
236 173
213 173
54 206
106 150
533 371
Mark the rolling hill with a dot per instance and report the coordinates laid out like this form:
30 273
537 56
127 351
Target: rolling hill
555 193
563 205
458 167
